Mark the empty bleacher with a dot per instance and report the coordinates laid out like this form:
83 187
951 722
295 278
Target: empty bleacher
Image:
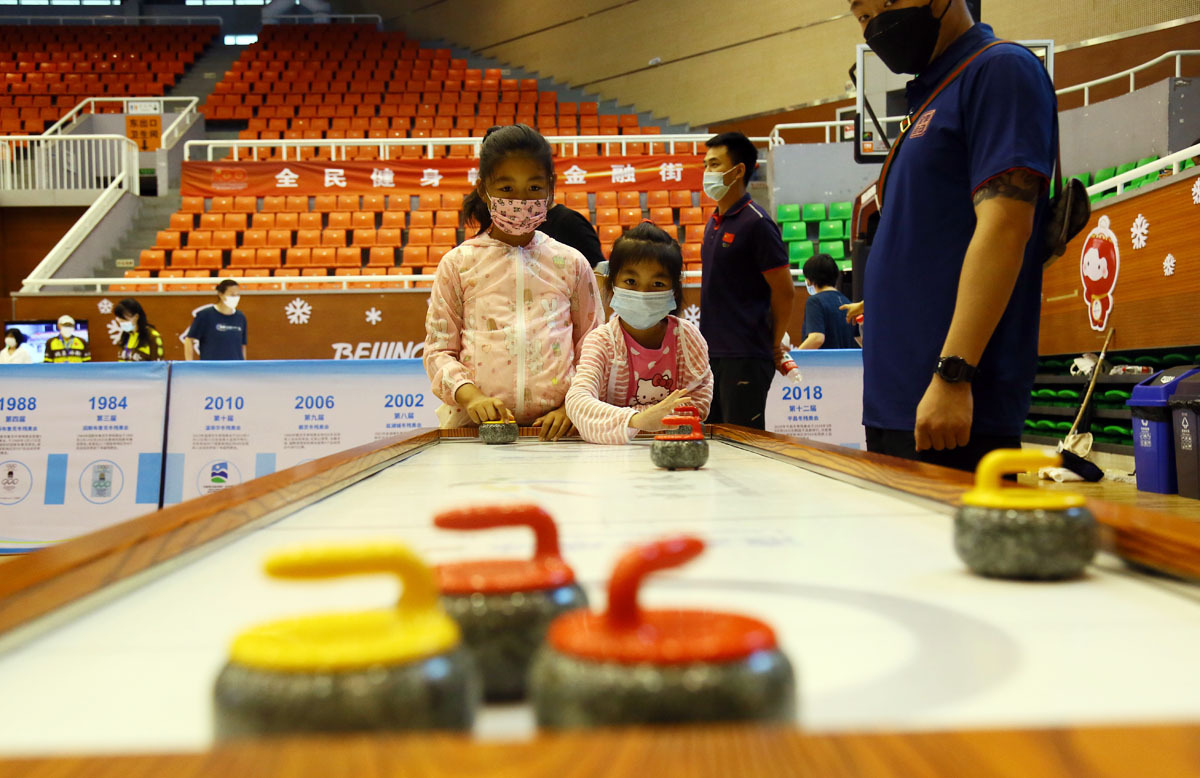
46 71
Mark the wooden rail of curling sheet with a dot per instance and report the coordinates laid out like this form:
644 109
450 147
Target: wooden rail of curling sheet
44 581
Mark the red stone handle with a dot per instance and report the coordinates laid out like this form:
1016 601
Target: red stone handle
490 516
695 431
687 410
623 611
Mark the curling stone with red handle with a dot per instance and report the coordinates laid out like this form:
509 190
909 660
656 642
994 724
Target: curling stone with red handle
634 666
505 606
686 449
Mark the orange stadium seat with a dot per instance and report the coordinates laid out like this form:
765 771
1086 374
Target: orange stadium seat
417 219
692 216
681 198
298 257
310 221
606 199
382 255
629 199
662 216
212 221
415 255
334 237
394 220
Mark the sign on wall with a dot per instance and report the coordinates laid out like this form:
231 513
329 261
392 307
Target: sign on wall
80 448
405 176
230 422
826 404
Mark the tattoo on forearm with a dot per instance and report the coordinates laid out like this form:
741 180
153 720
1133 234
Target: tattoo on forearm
1015 185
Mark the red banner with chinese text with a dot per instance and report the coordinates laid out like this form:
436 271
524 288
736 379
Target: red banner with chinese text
314 177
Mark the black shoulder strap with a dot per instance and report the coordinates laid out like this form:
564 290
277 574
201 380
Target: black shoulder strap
908 122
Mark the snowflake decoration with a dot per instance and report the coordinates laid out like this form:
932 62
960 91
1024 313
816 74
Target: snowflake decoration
692 314
298 311
105 306
114 329
374 316
1169 265
1140 231
1196 192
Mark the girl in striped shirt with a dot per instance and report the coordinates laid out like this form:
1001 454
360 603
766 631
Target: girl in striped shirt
635 369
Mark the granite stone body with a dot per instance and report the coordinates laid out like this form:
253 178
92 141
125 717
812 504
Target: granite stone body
570 692
440 692
1025 544
505 630
492 433
679 454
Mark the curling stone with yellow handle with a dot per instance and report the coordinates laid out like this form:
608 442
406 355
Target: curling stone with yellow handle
396 669
1026 534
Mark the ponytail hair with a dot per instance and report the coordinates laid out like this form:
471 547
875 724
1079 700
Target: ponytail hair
499 144
129 307
647 243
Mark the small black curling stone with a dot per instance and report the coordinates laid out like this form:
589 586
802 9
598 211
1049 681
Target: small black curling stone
685 450
402 668
1023 534
505 606
631 666
492 432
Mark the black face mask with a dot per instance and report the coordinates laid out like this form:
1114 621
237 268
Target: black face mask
904 39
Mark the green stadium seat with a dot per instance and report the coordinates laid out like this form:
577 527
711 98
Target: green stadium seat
794 231
841 211
1121 169
1146 161
845 265
1187 163
799 251
835 249
831 230
849 235
813 212
1175 360
1148 361
787 212
1104 174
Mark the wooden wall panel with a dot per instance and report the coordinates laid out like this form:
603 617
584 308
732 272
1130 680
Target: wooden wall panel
26 236
1151 309
337 326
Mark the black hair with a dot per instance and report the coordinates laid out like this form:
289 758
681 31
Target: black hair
16 333
499 144
648 243
224 285
821 270
129 307
740 151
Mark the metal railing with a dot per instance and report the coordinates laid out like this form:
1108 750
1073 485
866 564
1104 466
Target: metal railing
79 231
184 117
1131 74
107 19
248 150
1173 161
77 163
777 140
319 18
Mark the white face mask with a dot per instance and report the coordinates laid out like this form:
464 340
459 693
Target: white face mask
811 289
126 326
10 342
714 183
642 310
67 332
232 301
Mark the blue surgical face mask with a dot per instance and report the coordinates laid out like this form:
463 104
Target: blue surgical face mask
642 310
811 289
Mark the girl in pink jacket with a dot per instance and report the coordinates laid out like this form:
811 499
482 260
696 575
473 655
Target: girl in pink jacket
634 370
509 307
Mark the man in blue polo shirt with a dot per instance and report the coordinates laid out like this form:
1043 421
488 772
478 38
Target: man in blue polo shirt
219 331
746 288
953 286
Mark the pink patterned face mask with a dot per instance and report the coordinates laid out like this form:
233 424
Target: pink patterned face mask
517 217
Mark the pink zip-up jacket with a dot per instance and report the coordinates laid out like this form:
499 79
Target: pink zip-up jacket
595 402
510 320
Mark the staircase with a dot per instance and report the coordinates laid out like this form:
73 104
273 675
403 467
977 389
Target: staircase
154 215
202 77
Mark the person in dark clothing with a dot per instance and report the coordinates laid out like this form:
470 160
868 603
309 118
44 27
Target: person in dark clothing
824 324
566 225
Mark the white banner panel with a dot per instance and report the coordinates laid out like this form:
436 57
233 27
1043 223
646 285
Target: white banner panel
80 448
826 405
230 422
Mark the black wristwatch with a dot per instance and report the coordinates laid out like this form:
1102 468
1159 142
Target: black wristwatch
954 370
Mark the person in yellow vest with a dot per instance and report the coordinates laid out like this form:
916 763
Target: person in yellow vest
139 342
66 346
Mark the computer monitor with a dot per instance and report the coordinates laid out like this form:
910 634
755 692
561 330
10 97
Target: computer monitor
38 333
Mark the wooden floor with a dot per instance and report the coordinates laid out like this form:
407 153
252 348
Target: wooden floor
1126 494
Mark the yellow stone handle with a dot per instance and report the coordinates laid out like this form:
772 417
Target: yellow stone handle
420 588
989 491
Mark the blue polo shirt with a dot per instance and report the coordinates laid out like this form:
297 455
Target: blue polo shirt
735 299
221 335
1000 114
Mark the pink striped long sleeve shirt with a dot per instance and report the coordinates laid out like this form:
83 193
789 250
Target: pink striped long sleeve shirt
595 401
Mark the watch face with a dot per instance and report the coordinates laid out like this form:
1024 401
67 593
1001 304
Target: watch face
952 369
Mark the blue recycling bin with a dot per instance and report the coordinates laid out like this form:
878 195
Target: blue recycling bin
1153 441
